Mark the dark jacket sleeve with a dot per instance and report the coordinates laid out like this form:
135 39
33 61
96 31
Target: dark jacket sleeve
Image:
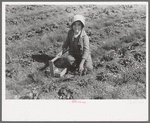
85 47
67 41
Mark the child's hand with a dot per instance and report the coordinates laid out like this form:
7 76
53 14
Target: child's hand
63 50
81 68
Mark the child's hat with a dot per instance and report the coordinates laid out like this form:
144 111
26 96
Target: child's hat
78 18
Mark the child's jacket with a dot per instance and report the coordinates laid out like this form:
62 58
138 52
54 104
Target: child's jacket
83 44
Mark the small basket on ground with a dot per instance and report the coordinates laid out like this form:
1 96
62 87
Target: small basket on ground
57 72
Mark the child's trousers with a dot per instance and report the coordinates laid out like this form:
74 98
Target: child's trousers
76 60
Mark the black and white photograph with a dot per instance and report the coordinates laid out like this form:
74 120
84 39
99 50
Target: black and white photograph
75 54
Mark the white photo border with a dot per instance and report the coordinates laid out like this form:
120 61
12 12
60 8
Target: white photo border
65 110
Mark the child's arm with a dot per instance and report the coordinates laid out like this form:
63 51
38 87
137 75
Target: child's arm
85 47
81 68
66 43
85 53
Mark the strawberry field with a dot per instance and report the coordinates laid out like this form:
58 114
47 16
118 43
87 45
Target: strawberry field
35 34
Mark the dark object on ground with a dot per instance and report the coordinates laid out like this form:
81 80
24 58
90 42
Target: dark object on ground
42 58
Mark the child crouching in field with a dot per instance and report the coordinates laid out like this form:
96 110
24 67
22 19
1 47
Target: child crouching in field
78 43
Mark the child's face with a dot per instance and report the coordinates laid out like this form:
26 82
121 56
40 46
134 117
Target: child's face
77 27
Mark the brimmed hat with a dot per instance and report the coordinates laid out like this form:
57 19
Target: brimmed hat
78 18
